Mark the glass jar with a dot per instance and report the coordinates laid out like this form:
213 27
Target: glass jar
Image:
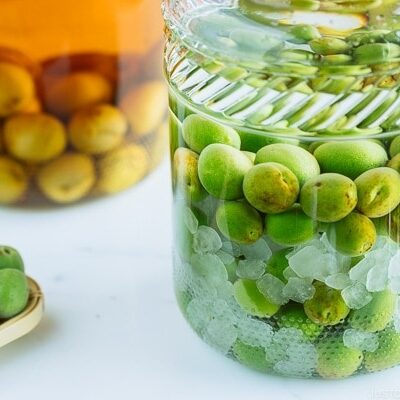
285 145
82 99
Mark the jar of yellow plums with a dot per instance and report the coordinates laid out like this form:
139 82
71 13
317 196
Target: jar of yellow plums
82 109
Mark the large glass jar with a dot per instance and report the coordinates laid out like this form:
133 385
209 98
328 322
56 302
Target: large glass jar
285 145
81 98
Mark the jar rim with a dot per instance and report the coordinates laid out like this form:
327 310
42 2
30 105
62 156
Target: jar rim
177 31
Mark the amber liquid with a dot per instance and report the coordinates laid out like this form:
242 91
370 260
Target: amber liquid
46 28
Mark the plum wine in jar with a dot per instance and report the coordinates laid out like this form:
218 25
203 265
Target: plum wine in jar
82 104
285 147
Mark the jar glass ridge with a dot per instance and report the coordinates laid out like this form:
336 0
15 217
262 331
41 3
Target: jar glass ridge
284 124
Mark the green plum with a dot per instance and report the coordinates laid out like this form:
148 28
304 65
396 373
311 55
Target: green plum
198 132
381 225
290 228
239 222
394 163
302 163
293 316
252 300
10 258
14 292
376 315
327 307
335 360
303 33
328 197
394 146
255 140
393 224
185 176
251 356
378 192
314 146
388 353
175 133
353 235
222 169
271 187
350 158
251 156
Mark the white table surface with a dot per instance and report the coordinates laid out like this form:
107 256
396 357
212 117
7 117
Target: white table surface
112 329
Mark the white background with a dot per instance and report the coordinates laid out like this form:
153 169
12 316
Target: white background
112 329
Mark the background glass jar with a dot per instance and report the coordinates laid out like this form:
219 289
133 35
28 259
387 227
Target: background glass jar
81 98
284 126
